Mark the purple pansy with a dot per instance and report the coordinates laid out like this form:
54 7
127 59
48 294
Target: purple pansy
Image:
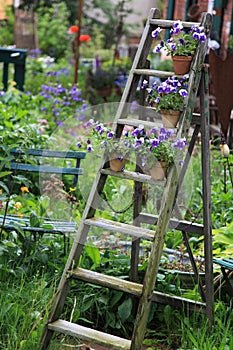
156 32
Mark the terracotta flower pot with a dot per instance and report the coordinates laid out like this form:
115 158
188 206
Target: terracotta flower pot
104 92
158 171
170 118
117 164
181 64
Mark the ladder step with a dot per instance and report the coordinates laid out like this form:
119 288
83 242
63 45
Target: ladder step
106 281
169 23
89 334
136 122
133 288
182 225
129 175
131 230
152 73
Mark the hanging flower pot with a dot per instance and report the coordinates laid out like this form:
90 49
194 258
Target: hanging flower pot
117 163
158 170
181 64
170 118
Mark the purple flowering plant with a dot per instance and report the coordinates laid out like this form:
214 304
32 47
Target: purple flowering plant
101 136
168 95
149 145
182 41
159 144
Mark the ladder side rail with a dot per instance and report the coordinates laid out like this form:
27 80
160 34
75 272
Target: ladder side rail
137 198
135 247
206 189
168 201
194 78
184 233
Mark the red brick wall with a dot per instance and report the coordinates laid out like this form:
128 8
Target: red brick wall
179 11
226 29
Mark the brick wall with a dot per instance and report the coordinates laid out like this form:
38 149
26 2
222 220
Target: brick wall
226 29
179 13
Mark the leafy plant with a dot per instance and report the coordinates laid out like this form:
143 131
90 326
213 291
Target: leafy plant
7 28
53 29
102 79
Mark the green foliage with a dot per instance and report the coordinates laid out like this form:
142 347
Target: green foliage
18 113
102 79
7 28
114 13
230 44
198 334
24 309
165 65
53 30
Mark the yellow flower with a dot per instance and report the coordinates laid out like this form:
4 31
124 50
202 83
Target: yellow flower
18 205
72 189
0 191
24 189
13 83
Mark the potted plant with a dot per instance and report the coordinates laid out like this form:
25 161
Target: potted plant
168 98
103 81
102 137
158 149
181 44
156 145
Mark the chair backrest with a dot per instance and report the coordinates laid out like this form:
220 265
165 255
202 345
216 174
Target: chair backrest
21 161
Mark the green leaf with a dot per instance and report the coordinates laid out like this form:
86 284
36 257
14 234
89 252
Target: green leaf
2 185
4 173
34 220
93 253
48 226
124 310
114 300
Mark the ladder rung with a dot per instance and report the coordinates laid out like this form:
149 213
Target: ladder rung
131 230
89 334
133 288
169 23
129 175
106 281
137 122
153 73
182 225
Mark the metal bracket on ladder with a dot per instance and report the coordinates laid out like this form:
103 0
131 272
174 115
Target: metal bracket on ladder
145 292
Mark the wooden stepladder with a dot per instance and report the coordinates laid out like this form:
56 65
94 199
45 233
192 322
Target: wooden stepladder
145 292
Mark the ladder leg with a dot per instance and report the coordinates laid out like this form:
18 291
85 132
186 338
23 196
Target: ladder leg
206 188
153 263
136 242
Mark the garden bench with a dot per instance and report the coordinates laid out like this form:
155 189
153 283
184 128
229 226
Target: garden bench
23 163
226 264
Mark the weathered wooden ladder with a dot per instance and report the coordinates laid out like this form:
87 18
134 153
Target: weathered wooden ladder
146 293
